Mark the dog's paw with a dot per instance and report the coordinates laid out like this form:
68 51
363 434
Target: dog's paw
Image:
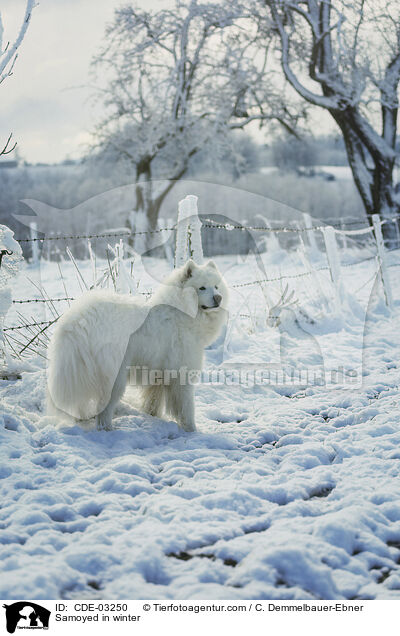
189 427
103 425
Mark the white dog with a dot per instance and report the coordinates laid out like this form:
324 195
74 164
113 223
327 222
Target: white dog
103 335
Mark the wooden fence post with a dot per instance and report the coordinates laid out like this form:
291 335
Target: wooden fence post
35 242
311 240
382 260
188 232
302 252
332 254
169 255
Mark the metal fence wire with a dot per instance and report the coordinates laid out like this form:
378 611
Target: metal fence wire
209 224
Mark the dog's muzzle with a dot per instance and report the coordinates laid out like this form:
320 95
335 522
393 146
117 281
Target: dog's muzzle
217 302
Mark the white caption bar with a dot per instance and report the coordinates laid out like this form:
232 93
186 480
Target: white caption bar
127 617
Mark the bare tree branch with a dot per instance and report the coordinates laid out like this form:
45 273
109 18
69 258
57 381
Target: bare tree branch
8 148
8 57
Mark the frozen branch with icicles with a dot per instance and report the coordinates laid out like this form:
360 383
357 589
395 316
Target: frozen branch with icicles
9 53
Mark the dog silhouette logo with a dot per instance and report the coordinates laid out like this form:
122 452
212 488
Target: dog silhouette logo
26 615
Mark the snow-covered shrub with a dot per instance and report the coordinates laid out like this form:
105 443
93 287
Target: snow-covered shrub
11 256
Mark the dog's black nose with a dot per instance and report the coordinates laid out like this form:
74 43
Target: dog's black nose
217 299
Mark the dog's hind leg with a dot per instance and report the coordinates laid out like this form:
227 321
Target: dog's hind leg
51 409
153 399
180 403
104 419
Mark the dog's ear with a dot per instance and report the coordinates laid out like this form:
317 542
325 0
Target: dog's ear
189 301
187 270
211 264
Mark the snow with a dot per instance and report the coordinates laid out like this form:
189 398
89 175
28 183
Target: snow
288 490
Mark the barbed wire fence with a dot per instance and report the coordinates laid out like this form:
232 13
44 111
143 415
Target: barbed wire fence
188 242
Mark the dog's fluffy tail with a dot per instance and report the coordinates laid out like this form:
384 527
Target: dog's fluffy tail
73 385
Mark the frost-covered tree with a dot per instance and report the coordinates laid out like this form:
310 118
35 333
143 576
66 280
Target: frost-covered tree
344 57
173 82
8 57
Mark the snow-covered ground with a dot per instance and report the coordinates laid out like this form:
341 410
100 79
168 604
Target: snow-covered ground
288 490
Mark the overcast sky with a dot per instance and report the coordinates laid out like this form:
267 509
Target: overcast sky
45 103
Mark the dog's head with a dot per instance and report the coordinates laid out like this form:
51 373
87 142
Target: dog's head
207 282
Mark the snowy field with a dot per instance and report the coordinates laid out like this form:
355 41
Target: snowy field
288 490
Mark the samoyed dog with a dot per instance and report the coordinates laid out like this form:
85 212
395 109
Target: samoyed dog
105 339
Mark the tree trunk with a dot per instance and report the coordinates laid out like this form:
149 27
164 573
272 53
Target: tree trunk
371 154
143 219
139 221
373 177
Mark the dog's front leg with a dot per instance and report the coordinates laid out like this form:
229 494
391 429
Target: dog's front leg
180 404
104 419
186 417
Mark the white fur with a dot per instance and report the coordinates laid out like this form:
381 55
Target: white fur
103 333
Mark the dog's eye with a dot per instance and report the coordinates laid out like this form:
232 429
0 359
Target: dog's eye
216 286
202 288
